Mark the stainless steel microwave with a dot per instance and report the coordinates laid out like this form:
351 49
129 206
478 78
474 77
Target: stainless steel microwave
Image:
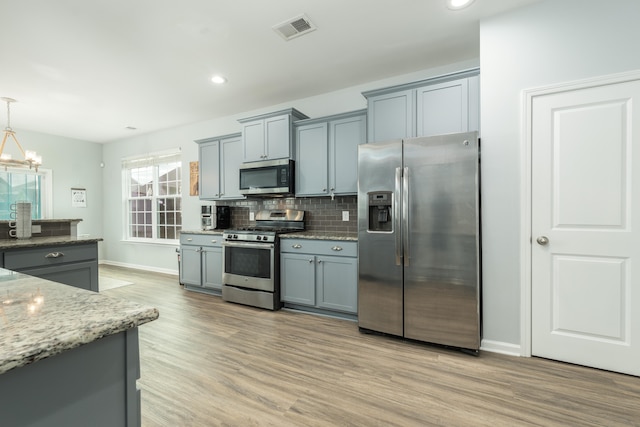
270 177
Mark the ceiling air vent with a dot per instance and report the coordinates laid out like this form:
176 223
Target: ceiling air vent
294 27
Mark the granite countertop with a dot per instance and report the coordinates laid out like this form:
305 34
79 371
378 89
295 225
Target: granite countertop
47 221
209 232
311 235
46 241
40 318
322 235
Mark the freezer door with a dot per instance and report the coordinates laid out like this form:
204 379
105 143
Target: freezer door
379 241
441 277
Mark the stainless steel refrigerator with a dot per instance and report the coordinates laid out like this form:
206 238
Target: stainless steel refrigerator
419 239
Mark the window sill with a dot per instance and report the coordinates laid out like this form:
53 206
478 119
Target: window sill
175 242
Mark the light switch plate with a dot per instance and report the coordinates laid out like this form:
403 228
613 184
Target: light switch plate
345 215
252 216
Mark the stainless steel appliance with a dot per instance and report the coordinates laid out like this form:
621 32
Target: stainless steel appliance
251 259
219 220
419 239
223 218
206 218
271 177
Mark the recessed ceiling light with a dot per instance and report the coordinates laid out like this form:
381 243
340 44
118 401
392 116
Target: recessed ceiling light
458 4
218 79
131 128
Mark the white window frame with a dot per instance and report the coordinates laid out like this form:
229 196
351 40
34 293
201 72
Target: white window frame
150 160
46 188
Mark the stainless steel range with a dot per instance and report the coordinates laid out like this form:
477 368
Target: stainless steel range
251 259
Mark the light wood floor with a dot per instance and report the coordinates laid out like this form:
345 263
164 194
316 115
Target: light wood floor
205 362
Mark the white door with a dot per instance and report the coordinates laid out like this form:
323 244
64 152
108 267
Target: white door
586 226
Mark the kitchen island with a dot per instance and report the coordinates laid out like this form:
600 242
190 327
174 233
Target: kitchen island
68 356
55 252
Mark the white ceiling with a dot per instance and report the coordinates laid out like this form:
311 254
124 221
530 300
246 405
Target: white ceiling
88 69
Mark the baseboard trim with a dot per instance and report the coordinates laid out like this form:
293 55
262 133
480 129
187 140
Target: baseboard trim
500 347
140 267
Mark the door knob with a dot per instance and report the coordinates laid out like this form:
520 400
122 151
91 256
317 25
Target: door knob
542 240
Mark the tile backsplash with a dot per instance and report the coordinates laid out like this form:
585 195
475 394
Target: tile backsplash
321 213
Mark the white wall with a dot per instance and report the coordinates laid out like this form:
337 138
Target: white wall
163 257
549 42
74 163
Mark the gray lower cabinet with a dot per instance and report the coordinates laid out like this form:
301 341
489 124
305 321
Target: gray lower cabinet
219 160
327 154
320 274
201 262
75 264
446 104
91 385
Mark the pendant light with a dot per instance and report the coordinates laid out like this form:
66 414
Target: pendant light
30 158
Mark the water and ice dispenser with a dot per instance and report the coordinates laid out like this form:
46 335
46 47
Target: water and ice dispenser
380 211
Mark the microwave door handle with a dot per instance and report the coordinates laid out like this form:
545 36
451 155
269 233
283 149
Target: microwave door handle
397 223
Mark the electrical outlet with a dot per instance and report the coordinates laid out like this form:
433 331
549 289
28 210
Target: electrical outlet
345 215
252 216
36 229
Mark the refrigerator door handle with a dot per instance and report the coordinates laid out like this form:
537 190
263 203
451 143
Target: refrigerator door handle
396 215
405 216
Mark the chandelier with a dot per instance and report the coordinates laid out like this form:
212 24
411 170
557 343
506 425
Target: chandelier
30 158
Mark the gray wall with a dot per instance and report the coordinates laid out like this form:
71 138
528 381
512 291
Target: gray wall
162 258
74 163
549 42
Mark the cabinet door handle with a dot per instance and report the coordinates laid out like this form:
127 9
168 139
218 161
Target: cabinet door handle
189 240
214 241
54 255
324 190
336 248
199 250
319 261
296 246
310 260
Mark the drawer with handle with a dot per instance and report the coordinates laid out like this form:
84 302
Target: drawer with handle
49 255
201 239
319 247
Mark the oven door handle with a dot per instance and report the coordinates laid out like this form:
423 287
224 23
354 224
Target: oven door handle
249 245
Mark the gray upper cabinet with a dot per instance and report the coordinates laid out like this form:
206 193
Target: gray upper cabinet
230 161
269 136
327 154
312 163
391 116
446 104
219 157
209 169
442 108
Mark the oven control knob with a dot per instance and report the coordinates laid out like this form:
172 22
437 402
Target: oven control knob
235 236
258 237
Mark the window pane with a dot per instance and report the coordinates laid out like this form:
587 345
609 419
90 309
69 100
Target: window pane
156 216
171 233
20 186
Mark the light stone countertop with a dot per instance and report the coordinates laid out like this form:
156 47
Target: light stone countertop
321 235
34 242
40 318
311 235
206 232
